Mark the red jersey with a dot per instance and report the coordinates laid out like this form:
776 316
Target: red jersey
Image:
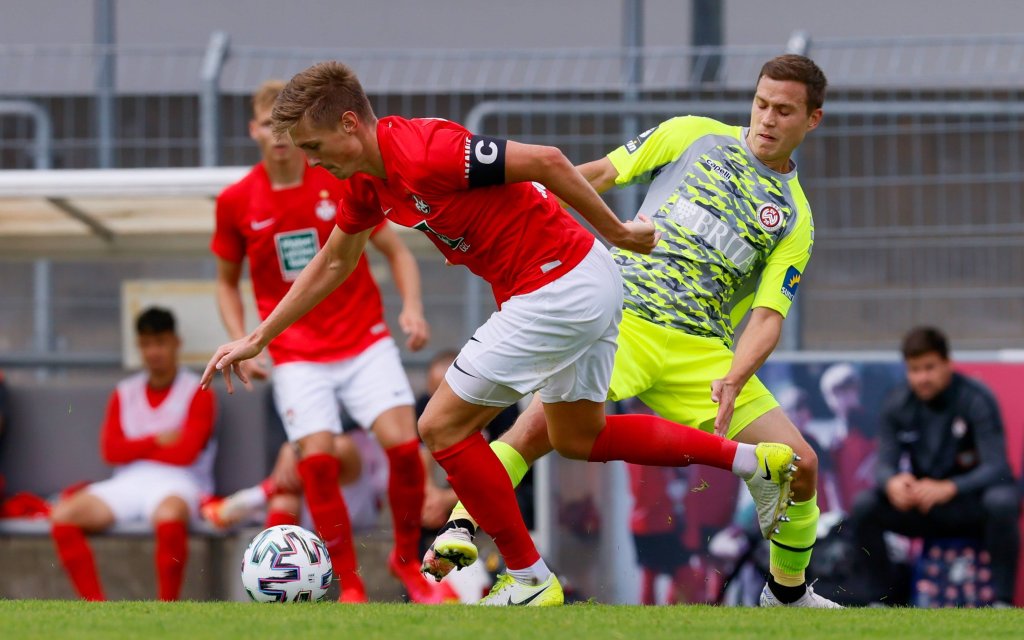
280 232
514 236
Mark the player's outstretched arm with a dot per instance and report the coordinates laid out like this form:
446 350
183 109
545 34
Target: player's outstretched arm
600 173
756 343
549 167
324 273
406 273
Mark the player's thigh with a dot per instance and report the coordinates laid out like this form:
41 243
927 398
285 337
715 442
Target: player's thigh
83 510
774 425
305 397
123 494
449 419
375 391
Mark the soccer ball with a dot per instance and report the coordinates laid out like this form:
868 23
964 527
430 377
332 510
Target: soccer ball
286 564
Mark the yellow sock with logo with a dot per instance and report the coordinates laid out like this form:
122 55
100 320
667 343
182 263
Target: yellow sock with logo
515 465
791 546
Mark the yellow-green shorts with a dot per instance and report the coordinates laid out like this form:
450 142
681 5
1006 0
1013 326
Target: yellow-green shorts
671 372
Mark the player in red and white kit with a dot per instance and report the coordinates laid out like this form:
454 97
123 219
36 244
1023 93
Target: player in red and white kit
157 436
278 216
491 205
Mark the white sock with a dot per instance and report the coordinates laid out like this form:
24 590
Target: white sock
745 463
249 499
532 575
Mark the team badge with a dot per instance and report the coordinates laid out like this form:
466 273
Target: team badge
325 209
421 204
769 216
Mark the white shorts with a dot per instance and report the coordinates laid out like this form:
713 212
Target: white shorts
559 339
307 394
136 490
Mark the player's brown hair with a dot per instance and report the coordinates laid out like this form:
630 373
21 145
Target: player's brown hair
321 93
266 94
921 341
799 69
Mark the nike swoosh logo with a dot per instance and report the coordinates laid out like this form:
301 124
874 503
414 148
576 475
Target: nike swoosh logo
261 224
767 472
524 601
386 211
455 363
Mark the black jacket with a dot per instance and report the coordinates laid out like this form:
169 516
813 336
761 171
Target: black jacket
958 436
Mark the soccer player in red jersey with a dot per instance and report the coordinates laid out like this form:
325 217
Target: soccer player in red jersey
157 437
491 205
278 216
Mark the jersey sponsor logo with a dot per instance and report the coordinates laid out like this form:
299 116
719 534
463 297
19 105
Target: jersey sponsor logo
325 209
791 282
260 225
717 168
294 251
715 233
456 244
421 204
638 141
769 216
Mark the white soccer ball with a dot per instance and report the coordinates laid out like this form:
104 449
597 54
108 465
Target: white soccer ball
286 564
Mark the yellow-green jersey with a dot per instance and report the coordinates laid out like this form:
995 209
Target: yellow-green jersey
735 233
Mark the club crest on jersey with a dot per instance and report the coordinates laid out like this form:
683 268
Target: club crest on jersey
325 209
769 216
421 204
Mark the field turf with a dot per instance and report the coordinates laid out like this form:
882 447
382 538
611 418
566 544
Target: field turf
221 621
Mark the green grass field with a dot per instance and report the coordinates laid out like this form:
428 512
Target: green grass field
221 621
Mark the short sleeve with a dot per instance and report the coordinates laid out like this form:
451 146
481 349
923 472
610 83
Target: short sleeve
359 209
227 242
637 160
785 266
431 154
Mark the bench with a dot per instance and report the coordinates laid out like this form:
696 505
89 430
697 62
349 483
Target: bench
53 443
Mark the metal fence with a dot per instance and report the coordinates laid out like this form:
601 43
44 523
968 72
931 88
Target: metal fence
915 176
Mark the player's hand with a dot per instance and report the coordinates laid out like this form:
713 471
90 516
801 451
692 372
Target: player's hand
258 368
930 493
900 491
415 327
228 359
167 438
724 394
638 235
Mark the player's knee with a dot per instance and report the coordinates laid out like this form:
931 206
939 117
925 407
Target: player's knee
808 462
574 446
172 509
430 430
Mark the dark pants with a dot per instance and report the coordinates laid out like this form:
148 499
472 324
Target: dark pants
991 515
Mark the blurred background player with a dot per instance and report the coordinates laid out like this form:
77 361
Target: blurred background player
958 482
278 216
157 435
737 236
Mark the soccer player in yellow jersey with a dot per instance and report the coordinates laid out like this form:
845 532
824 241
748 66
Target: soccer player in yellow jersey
737 234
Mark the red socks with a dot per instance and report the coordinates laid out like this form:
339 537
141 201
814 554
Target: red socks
482 484
319 475
405 493
77 559
654 441
171 554
275 518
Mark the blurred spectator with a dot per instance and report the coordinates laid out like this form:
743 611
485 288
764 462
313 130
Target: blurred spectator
157 435
942 469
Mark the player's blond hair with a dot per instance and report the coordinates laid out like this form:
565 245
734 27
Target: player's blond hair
321 94
266 94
